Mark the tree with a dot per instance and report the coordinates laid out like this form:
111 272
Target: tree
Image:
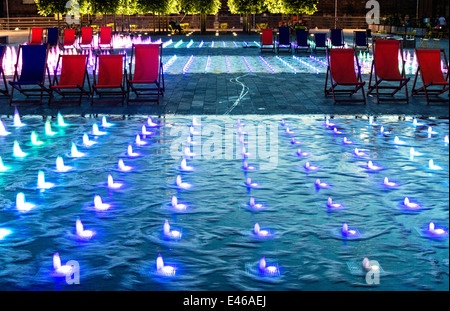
299 6
246 7
48 7
202 7
128 7
296 7
159 7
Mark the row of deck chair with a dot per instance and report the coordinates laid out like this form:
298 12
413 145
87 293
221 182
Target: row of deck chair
110 78
283 42
385 73
36 36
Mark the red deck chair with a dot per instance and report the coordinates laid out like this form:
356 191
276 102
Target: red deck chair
86 38
431 74
69 39
35 36
105 41
341 71
385 67
110 79
267 42
3 92
72 77
148 71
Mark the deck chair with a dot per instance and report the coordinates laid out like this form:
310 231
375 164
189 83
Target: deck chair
320 40
429 68
72 78
147 78
301 42
360 40
337 38
105 41
223 27
69 39
385 70
86 38
3 91
267 40
111 79
341 72
52 36
31 81
284 39
35 36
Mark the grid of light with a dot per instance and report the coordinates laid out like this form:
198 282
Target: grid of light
188 64
286 63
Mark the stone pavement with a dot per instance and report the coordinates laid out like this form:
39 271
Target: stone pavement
217 94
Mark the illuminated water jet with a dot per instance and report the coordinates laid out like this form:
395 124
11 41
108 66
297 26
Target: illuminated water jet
41 183
21 203
171 234
81 233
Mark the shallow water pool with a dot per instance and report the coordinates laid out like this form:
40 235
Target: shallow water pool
218 249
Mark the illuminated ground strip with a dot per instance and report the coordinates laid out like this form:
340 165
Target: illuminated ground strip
323 63
223 44
284 62
259 45
190 44
201 44
208 62
235 44
188 64
169 62
167 43
247 64
304 63
267 64
212 44
178 43
227 61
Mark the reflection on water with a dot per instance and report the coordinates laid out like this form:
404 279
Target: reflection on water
218 247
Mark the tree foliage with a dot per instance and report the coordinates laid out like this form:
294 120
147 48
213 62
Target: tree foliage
247 6
48 7
299 6
158 6
105 6
292 6
128 7
209 7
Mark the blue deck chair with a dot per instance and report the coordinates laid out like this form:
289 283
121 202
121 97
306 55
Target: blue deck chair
31 81
360 41
284 40
302 41
3 92
337 38
52 36
320 40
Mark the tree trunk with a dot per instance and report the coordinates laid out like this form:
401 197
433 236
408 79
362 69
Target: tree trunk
129 22
202 22
114 22
159 23
154 23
